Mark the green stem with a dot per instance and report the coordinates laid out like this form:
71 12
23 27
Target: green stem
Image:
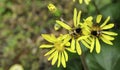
97 10
82 57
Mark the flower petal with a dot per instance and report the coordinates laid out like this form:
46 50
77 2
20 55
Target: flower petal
98 19
66 40
55 58
87 40
108 37
105 22
88 21
46 46
109 33
78 48
78 18
97 46
73 44
70 50
57 27
59 59
66 55
67 44
73 0
63 25
49 38
92 45
87 1
80 1
52 55
63 60
106 40
50 52
82 37
85 44
108 26
75 17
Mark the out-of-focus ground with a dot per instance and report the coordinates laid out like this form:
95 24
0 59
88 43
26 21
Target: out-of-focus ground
21 24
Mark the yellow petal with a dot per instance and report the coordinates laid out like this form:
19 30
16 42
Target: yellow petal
46 46
57 26
90 38
108 37
87 40
109 33
73 0
90 18
66 40
97 46
82 37
87 1
92 45
61 37
50 52
80 1
52 55
108 26
53 37
75 17
52 8
73 44
59 59
67 44
85 44
78 48
63 61
66 55
63 25
55 58
98 19
88 21
105 22
78 18
106 40
48 38
70 50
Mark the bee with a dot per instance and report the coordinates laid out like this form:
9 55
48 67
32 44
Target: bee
96 33
76 32
96 30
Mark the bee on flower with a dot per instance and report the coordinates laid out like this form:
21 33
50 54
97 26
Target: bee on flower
77 33
58 48
81 1
99 31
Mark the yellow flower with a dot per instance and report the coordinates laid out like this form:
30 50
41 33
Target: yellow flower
77 32
52 8
98 31
81 1
58 48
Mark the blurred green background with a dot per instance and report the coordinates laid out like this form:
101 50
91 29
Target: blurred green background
23 21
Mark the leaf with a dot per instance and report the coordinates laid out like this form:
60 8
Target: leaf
108 59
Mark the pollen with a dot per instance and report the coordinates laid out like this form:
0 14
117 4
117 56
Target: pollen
59 47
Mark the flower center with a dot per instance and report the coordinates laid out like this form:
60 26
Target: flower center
78 30
59 46
95 33
96 30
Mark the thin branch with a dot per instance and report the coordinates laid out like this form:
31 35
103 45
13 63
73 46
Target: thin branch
82 57
97 10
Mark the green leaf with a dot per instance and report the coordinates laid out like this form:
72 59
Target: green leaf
108 59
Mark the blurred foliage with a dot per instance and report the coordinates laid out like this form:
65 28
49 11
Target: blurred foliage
22 22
